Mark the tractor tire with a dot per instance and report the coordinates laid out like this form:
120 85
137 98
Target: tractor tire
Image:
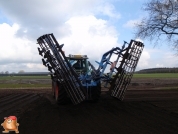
60 94
96 92
53 89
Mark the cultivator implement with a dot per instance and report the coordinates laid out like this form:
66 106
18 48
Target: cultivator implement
105 60
86 84
126 68
123 67
58 65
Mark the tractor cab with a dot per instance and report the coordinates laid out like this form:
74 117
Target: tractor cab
79 62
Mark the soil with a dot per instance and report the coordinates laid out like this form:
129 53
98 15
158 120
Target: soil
146 109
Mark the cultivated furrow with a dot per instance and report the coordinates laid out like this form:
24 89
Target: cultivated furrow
10 99
4 97
11 108
137 95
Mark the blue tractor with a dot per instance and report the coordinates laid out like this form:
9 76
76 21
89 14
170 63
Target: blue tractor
75 78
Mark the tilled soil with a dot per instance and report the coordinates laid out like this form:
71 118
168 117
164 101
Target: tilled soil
141 112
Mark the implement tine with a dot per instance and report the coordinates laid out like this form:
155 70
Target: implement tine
62 68
126 69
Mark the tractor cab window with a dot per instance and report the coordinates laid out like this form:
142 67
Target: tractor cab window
79 64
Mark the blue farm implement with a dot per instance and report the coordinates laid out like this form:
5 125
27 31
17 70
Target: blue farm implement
76 78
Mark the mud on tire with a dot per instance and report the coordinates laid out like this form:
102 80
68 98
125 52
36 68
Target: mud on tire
53 89
60 94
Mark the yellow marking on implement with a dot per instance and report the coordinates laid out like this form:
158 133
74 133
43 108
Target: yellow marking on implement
78 56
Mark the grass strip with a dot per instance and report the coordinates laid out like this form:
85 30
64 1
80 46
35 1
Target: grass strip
5 85
23 77
156 75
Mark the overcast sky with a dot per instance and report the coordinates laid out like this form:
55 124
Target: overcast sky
89 27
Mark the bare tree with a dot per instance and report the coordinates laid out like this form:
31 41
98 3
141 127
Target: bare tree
161 24
7 72
2 72
21 72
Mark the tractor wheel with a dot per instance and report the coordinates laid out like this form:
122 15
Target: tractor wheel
60 94
53 89
96 92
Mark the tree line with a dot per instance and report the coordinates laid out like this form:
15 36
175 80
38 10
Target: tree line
159 70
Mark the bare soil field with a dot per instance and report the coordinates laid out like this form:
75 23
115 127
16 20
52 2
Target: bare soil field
146 109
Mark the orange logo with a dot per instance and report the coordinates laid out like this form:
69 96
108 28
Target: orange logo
10 124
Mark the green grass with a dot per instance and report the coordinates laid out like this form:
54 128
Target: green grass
23 77
156 75
24 81
5 85
5 81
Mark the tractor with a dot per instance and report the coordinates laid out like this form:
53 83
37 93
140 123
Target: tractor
80 65
75 78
